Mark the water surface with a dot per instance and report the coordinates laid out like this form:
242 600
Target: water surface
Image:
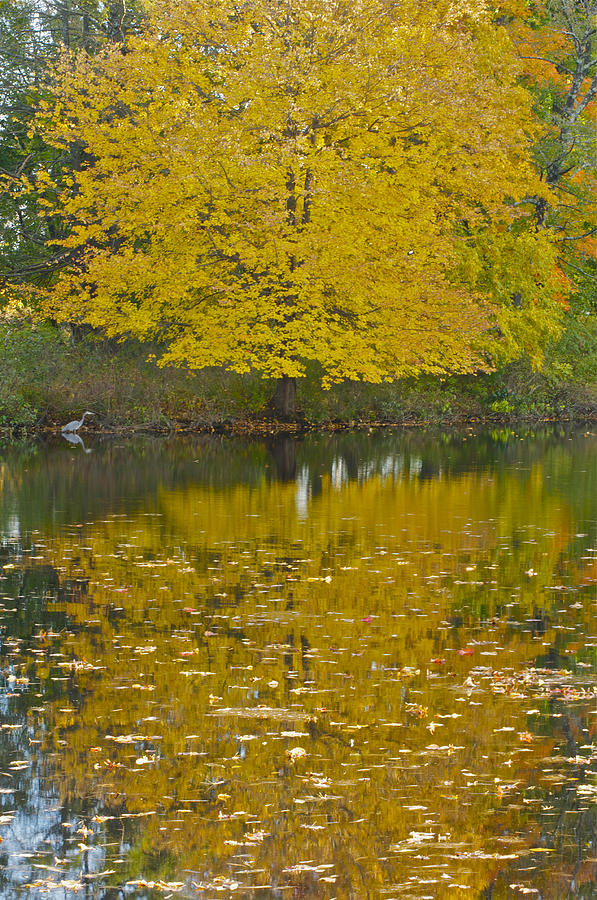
351 666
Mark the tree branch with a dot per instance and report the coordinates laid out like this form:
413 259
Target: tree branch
579 237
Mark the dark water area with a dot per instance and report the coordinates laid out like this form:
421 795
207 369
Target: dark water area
353 665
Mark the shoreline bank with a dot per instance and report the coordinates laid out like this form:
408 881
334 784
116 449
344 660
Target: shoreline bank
267 427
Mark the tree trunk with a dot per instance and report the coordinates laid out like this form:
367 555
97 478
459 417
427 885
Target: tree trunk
283 403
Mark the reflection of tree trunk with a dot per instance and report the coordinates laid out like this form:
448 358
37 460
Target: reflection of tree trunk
283 403
283 451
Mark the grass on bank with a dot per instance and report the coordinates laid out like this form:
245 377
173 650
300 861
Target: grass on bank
50 376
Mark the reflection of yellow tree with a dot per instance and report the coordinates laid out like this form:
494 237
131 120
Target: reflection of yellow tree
210 639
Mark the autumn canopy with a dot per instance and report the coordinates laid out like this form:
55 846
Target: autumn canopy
265 184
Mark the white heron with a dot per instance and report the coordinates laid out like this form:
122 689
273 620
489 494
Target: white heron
75 424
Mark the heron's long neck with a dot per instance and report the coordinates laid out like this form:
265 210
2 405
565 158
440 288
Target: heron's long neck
83 419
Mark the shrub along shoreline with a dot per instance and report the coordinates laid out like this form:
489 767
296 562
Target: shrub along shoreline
51 376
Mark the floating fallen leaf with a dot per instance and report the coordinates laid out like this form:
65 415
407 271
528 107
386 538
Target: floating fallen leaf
174 886
295 754
126 738
92 876
256 837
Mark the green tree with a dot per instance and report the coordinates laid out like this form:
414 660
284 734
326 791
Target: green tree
32 33
557 43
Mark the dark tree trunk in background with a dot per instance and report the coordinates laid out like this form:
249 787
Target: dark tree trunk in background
283 403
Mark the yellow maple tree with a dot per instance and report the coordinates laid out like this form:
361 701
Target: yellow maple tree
265 184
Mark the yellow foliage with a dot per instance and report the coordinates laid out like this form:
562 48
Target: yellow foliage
262 187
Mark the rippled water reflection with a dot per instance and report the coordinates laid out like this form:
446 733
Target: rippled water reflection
340 666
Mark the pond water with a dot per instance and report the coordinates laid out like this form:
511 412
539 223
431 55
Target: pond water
338 666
